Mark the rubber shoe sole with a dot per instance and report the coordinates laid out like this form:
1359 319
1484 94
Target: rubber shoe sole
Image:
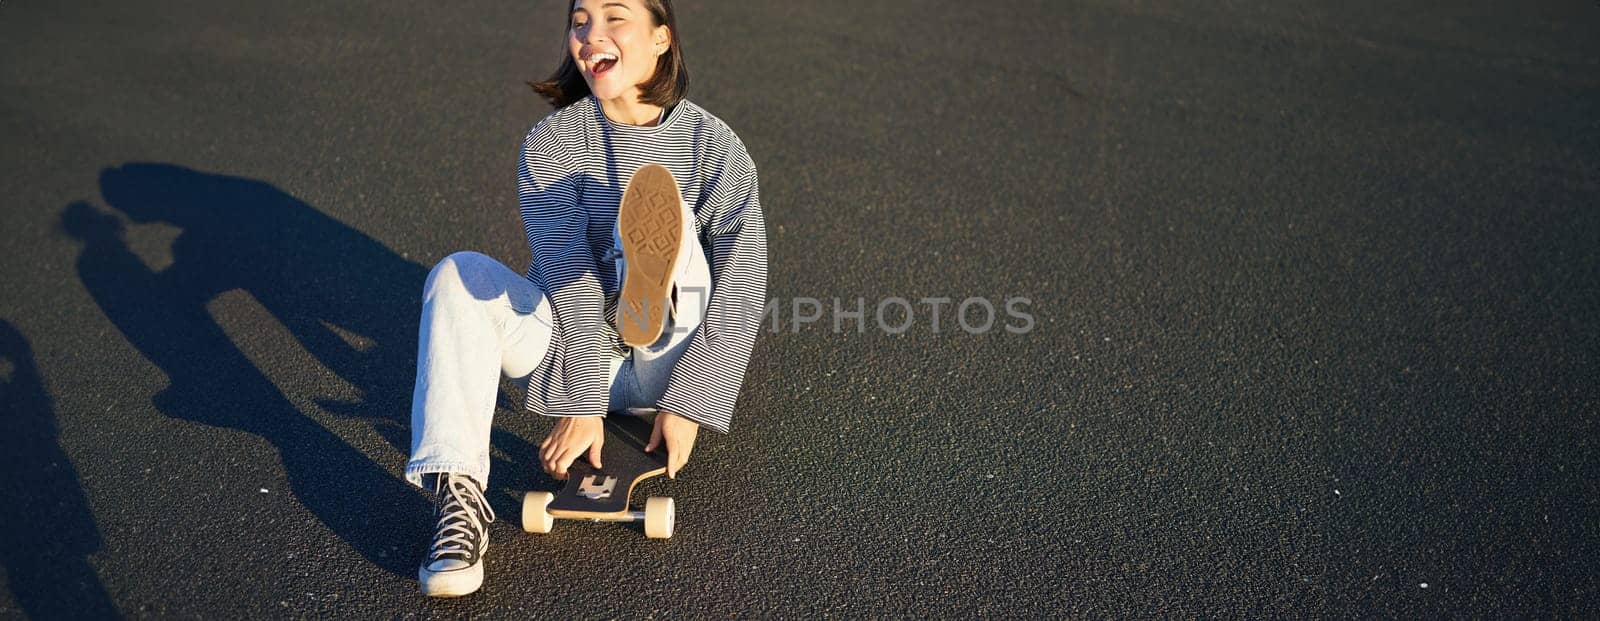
455 582
650 220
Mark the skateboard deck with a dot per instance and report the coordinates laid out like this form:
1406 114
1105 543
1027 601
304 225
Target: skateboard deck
590 493
603 494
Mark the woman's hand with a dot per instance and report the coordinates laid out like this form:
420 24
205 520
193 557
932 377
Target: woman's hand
569 439
678 433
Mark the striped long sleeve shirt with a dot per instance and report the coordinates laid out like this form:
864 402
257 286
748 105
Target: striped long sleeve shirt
575 165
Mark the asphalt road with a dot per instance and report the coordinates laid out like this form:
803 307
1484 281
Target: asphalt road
1312 293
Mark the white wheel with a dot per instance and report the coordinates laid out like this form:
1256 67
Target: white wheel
658 517
534 517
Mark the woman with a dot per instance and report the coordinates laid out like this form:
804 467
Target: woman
685 265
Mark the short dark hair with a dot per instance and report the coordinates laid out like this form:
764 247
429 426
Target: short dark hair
668 87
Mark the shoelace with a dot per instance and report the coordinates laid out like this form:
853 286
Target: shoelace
459 527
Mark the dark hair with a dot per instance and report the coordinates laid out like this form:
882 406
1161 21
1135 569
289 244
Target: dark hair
669 85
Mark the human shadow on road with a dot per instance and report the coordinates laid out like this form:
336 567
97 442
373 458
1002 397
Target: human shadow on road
347 299
49 531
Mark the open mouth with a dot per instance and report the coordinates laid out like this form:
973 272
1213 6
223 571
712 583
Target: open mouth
601 62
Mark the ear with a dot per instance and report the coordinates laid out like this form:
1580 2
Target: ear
663 39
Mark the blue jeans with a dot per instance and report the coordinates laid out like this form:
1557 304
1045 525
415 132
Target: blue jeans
478 314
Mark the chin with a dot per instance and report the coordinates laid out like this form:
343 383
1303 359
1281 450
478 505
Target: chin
605 91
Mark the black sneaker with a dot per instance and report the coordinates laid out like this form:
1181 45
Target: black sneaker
454 566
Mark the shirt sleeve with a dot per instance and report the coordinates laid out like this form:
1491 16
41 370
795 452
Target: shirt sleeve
572 380
705 382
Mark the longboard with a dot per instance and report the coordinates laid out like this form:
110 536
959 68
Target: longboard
602 495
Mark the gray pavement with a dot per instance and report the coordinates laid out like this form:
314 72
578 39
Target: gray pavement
1313 290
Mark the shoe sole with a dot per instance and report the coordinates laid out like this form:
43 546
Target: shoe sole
456 583
650 220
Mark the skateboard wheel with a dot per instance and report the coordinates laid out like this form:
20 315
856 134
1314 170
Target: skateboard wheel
658 517
535 519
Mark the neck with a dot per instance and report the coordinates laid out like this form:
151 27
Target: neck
629 110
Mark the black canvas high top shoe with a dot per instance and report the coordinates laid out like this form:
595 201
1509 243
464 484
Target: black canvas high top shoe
454 566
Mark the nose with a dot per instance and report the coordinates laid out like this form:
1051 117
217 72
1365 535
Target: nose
590 34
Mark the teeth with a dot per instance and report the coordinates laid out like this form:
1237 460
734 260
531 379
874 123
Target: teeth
599 56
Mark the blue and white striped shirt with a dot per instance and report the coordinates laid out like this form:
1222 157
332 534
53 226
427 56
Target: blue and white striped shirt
575 165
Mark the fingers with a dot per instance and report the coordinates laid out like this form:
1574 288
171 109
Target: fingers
655 436
549 459
544 447
564 461
547 453
570 439
678 448
679 434
594 452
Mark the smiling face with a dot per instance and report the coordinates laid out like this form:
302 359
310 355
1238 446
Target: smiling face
615 45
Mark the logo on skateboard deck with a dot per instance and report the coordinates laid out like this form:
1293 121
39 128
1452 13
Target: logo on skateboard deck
596 492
